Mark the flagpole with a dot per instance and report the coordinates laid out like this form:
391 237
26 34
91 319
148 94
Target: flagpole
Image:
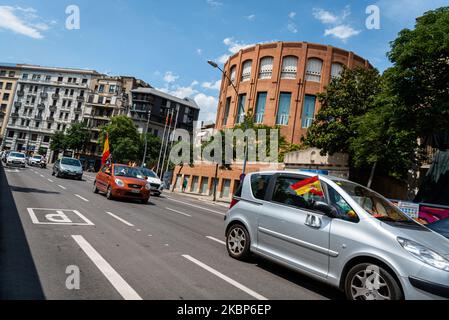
173 135
162 142
166 145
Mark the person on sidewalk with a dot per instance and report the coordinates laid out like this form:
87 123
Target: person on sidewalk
184 184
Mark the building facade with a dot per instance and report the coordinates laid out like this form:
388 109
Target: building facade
276 84
108 96
162 106
8 81
46 100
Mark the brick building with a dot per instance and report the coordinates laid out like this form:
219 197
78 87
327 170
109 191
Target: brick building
277 83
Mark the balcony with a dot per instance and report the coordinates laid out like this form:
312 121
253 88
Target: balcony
14 115
55 96
44 95
51 119
53 108
259 117
38 117
283 119
18 104
20 93
77 110
41 106
80 98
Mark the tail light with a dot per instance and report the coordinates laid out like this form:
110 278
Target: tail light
233 202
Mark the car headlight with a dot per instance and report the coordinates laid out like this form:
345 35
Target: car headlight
147 186
425 254
119 182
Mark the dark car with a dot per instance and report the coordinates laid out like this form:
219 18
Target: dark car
441 226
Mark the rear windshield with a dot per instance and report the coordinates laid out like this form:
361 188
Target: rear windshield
259 185
148 173
17 155
71 162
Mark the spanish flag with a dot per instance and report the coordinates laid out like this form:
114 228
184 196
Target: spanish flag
106 152
311 185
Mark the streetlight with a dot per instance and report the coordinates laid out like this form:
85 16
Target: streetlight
146 140
245 159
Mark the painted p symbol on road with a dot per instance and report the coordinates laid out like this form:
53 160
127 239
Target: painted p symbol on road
63 217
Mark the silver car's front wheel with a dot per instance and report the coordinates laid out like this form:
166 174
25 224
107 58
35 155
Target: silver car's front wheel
238 242
371 282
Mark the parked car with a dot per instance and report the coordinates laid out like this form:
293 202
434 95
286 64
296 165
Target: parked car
338 232
68 167
153 180
441 226
16 159
122 181
35 160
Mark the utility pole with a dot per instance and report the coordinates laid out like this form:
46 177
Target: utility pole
146 140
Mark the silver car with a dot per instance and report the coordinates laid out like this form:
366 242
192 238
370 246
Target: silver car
68 167
338 232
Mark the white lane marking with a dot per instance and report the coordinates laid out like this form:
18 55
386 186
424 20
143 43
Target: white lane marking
50 180
123 288
82 198
120 219
42 176
62 187
58 217
195 206
216 240
226 278
176 211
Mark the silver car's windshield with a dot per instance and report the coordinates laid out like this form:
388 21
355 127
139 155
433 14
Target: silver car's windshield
71 162
17 155
373 203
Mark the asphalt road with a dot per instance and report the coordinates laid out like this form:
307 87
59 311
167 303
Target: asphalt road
171 248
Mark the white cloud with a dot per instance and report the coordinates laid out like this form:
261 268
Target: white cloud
199 51
21 21
292 14
233 48
342 32
212 85
336 26
208 106
170 77
214 3
251 17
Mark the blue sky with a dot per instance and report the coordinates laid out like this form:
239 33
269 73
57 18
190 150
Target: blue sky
167 43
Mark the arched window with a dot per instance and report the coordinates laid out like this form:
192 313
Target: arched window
336 70
246 70
232 77
289 67
314 67
266 68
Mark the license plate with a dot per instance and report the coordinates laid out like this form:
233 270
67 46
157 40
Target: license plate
135 191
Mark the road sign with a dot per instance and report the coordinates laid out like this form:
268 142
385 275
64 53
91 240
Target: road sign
64 217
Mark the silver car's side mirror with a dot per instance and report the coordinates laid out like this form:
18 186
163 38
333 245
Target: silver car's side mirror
325 208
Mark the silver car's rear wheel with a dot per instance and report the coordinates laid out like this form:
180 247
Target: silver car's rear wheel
371 282
238 242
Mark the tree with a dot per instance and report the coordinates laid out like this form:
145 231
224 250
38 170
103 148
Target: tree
420 74
124 139
58 142
76 137
345 99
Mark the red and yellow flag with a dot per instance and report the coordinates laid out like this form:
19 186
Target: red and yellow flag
106 152
310 185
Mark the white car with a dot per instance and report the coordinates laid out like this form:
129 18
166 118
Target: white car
35 161
153 180
16 159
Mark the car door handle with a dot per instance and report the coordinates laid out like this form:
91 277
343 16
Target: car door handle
313 221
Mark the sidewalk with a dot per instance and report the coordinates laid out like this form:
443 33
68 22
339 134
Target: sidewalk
208 199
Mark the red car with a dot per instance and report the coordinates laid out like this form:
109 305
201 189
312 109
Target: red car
123 182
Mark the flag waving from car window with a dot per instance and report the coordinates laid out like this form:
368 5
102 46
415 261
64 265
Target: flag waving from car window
310 185
106 152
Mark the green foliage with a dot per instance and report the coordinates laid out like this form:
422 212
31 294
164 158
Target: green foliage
76 137
420 74
125 142
153 148
58 142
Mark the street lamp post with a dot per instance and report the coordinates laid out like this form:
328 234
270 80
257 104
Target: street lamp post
245 159
146 140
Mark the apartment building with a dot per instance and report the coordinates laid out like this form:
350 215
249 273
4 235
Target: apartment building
185 111
46 99
8 81
108 96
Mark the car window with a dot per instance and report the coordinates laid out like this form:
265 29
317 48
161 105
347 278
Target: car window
344 210
299 192
259 185
17 155
71 162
